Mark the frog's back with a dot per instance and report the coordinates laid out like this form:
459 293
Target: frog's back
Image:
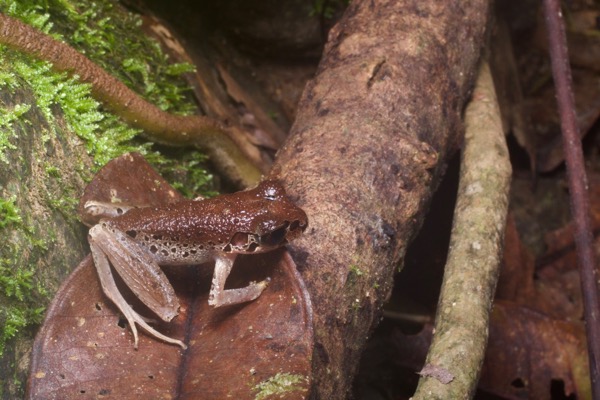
189 221
254 220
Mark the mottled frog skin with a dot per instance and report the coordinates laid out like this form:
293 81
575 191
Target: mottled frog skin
137 241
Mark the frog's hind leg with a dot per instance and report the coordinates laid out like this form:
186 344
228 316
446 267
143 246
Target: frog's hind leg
219 296
101 243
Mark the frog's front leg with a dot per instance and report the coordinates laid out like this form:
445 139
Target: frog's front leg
219 296
139 272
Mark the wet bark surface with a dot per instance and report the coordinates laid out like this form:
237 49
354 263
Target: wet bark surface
372 136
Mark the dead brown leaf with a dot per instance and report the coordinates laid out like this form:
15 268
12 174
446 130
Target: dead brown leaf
528 350
554 290
527 353
85 349
516 276
128 179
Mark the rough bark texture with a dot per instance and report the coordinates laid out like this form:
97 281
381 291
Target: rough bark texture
373 132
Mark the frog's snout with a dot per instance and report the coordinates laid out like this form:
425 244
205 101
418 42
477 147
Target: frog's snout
275 238
298 225
284 234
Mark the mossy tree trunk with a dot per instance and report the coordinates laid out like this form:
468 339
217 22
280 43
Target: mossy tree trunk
42 239
53 135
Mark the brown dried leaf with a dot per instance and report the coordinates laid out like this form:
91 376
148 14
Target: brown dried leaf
527 351
553 290
558 285
587 98
516 276
127 179
559 243
85 349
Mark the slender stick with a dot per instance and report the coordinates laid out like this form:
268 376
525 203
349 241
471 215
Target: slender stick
456 354
584 239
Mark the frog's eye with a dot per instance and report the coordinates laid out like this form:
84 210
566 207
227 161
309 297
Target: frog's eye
271 190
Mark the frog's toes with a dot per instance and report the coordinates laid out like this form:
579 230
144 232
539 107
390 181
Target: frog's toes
148 320
262 284
265 282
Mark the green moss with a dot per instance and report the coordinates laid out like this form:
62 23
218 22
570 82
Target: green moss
279 385
15 282
52 171
327 8
15 319
353 277
110 37
65 205
9 213
7 117
18 284
188 176
355 270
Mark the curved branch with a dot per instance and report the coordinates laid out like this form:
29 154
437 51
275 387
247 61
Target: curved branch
233 154
461 328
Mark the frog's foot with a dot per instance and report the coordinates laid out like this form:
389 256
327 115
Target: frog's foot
220 297
133 317
112 292
236 296
149 320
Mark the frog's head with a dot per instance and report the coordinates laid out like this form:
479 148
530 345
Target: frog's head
270 219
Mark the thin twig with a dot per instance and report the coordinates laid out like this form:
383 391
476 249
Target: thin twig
461 328
584 240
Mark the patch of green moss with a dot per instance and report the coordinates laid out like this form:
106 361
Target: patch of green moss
52 171
280 384
327 8
16 283
355 273
106 34
355 270
16 319
9 213
188 175
7 117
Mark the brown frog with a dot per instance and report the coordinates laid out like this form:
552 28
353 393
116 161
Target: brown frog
137 241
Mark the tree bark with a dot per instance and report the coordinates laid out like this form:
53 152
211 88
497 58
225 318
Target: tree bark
373 133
